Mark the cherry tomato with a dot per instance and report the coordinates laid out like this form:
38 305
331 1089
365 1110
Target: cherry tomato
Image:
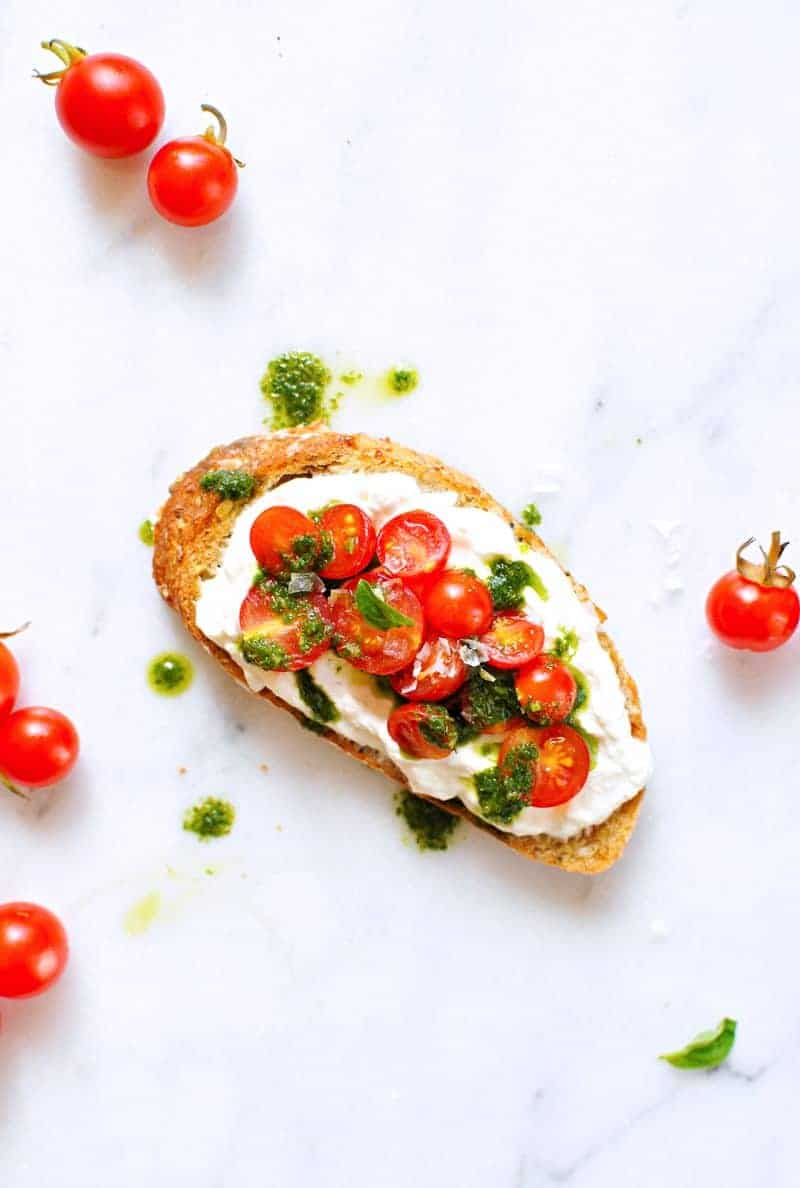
546 690
423 731
751 616
38 746
562 765
284 633
509 724
108 104
9 681
373 649
436 672
458 604
33 950
512 641
193 180
352 535
283 539
414 544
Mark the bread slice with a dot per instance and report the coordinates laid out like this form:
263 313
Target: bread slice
194 526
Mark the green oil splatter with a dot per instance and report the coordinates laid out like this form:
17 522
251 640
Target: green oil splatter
170 674
147 533
139 918
401 380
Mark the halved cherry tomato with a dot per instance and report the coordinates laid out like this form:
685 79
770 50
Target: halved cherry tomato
38 746
750 616
282 632
373 649
512 641
546 690
458 604
33 949
193 180
108 104
423 731
436 672
352 536
283 539
9 681
413 544
561 767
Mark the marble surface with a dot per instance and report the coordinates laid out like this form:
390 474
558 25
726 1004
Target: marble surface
580 223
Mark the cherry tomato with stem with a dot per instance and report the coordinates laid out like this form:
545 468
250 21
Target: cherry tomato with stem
414 544
38 746
561 765
376 649
281 632
546 690
423 731
284 539
512 641
193 180
33 950
458 604
436 672
352 536
755 606
108 104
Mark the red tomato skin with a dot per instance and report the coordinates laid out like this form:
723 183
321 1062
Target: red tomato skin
256 612
749 616
382 652
272 533
549 683
529 638
38 746
192 181
404 728
345 519
442 672
458 605
562 766
33 950
414 544
9 681
110 105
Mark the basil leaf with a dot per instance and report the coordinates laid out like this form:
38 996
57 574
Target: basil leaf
376 611
706 1050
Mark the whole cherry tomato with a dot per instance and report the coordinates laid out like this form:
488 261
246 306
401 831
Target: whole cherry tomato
414 544
546 690
458 604
33 950
38 746
9 681
108 104
193 180
755 607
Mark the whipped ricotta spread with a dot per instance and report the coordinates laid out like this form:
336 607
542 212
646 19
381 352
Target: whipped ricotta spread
622 762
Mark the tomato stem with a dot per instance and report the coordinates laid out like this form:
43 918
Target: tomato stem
218 135
769 571
66 53
12 788
16 631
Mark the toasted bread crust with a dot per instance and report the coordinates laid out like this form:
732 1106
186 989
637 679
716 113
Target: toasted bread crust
194 525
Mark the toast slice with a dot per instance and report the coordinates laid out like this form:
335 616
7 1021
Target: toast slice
194 526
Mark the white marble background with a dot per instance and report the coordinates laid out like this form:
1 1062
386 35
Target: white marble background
579 221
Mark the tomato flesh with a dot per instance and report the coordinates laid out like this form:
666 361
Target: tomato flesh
561 767
9 681
38 746
373 649
436 672
512 641
33 950
352 536
283 539
459 605
749 616
414 544
110 105
423 731
192 181
284 633
546 690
